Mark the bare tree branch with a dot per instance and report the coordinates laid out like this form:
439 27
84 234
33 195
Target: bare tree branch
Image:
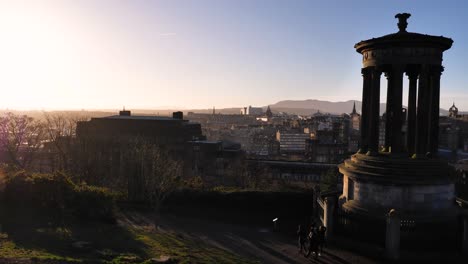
20 139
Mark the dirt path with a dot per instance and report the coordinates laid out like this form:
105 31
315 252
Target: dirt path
255 243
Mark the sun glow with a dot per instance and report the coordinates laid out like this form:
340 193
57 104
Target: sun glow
34 55
50 54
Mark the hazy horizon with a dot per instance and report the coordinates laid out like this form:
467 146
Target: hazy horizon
73 55
163 107
169 109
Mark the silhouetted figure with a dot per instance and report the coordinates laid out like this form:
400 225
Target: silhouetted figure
302 238
313 241
321 238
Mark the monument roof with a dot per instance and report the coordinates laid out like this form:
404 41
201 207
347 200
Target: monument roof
403 38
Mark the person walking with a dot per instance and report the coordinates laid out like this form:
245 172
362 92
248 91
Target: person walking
321 238
302 238
313 241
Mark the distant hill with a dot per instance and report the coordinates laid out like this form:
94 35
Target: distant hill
311 106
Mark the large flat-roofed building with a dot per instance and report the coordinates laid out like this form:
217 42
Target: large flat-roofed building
159 129
108 143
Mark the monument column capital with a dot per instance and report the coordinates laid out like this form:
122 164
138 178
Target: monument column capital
436 70
412 75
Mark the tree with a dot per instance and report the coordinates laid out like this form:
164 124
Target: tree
20 139
238 172
247 175
329 180
158 173
256 176
60 130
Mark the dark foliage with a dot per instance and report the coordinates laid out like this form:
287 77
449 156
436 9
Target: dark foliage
53 197
329 180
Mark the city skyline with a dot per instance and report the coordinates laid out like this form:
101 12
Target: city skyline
196 54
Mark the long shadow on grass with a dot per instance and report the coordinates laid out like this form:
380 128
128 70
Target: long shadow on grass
106 240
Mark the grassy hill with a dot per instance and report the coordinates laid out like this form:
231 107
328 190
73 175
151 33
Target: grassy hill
128 241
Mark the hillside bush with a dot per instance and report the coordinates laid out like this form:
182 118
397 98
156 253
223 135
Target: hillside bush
54 196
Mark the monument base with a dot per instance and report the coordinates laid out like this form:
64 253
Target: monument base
419 189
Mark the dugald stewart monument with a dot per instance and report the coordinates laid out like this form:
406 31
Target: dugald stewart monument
405 179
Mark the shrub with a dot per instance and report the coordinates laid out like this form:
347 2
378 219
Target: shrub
93 202
329 180
37 191
52 196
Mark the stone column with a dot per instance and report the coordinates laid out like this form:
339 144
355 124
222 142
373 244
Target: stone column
365 111
392 236
433 128
328 212
389 111
422 120
411 132
397 119
374 114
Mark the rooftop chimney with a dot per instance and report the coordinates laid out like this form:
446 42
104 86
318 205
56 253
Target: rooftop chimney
124 113
178 115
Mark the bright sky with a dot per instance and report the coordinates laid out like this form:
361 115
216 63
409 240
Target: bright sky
202 53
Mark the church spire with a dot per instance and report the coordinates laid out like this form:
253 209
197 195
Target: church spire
268 112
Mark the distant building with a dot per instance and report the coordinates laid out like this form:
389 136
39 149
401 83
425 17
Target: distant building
354 133
326 151
453 130
254 111
209 159
221 120
453 111
262 143
166 131
355 119
292 141
382 121
268 113
107 140
353 142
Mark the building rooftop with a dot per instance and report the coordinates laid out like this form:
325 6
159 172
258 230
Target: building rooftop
133 117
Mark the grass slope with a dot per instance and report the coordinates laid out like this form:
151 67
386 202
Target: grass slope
22 240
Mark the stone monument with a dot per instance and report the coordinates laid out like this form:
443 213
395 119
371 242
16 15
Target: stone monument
405 174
